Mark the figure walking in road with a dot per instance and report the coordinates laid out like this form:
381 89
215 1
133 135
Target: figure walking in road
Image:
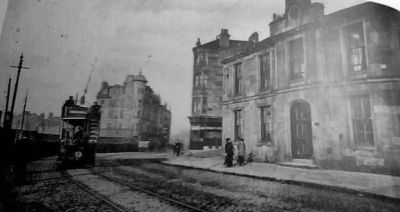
241 147
229 150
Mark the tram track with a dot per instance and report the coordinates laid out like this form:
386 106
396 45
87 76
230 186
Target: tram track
63 175
172 201
53 175
94 194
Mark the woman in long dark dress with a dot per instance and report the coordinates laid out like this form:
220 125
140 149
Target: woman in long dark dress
229 150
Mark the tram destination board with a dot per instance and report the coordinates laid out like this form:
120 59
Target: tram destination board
75 112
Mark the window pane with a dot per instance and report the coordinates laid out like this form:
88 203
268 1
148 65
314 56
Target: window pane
362 123
265 70
204 104
265 117
238 78
296 56
355 44
238 124
355 35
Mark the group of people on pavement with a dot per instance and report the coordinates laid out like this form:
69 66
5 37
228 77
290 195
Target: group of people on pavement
230 151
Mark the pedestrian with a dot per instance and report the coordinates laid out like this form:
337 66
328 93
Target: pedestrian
250 158
229 150
178 149
174 148
241 147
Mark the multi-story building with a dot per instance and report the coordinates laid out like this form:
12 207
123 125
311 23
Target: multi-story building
206 119
322 89
132 112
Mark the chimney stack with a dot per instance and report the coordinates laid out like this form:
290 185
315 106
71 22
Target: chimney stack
198 43
223 38
104 84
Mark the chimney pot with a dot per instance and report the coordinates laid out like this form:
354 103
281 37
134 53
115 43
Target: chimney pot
198 43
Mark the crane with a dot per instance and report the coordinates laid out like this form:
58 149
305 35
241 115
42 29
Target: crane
88 81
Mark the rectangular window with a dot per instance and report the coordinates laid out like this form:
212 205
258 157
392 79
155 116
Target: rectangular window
200 59
205 105
266 117
238 124
361 119
121 114
196 80
354 36
238 78
196 105
265 71
296 59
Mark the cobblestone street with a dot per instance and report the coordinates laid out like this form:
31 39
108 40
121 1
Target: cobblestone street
157 187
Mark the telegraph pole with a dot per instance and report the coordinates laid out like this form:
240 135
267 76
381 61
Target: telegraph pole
20 132
7 100
19 67
23 112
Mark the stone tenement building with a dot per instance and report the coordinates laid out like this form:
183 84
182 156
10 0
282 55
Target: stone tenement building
206 119
322 89
132 112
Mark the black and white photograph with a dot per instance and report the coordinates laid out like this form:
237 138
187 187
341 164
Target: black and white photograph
199 105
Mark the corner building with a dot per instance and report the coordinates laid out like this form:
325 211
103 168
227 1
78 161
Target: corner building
132 112
322 90
206 118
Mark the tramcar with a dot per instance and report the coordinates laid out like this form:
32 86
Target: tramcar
79 134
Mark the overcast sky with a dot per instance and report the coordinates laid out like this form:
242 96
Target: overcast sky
61 39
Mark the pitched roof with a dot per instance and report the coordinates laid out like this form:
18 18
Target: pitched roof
214 45
367 8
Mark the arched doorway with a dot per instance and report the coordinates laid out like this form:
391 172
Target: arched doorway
301 132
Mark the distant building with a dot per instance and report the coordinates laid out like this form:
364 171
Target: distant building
132 112
50 126
32 121
206 118
321 90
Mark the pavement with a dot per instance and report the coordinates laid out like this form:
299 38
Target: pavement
357 182
363 183
132 155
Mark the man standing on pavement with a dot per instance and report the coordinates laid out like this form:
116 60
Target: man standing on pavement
229 150
241 151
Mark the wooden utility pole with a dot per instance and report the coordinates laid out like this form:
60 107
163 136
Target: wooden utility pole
20 132
7 100
19 67
23 112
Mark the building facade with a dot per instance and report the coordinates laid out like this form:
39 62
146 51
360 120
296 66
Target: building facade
322 89
206 119
132 112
